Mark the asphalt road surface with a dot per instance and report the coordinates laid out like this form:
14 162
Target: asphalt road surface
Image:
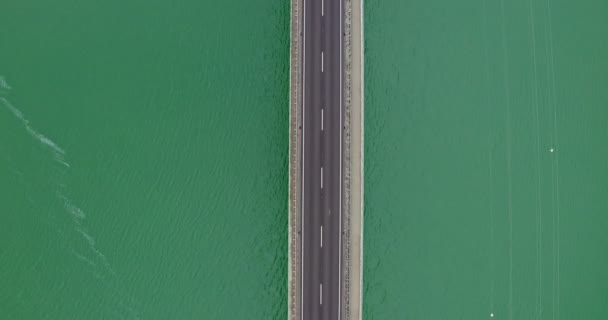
322 160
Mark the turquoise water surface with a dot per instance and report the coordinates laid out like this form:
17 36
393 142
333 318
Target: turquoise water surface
486 129
143 159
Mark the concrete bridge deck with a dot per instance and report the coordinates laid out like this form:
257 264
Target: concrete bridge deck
326 153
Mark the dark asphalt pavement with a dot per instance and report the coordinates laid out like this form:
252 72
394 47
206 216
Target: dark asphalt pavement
322 156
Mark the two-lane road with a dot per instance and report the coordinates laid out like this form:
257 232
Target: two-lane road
321 160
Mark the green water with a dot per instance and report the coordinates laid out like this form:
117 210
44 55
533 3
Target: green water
143 159
468 212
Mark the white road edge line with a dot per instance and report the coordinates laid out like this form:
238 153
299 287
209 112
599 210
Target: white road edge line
320 293
321 236
322 8
303 146
340 200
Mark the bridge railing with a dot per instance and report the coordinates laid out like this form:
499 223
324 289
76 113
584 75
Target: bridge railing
347 161
294 153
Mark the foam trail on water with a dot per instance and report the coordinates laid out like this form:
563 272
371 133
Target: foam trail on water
44 140
15 111
91 241
74 210
95 259
3 84
77 216
83 258
57 150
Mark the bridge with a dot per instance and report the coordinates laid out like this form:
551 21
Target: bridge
325 246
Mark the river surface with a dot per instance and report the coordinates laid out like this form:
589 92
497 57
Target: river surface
143 159
486 174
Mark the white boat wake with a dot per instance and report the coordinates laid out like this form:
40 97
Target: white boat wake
77 215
